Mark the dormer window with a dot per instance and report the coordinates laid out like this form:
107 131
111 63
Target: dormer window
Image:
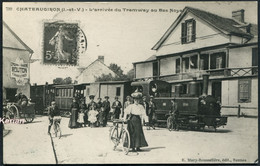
188 29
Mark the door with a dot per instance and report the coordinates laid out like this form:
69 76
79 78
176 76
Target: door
10 94
216 90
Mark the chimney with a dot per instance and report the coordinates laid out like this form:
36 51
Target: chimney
239 15
101 59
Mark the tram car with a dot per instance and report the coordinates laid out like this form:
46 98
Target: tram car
63 94
195 110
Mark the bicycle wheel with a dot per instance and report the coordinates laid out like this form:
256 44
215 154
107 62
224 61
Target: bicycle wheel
58 130
125 141
14 111
114 137
169 123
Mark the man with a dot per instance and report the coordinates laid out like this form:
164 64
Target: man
106 107
92 105
151 112
52 111
146 105
174 113
117 107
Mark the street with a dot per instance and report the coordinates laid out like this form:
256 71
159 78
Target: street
30 144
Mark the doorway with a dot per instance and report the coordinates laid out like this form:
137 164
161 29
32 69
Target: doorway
10 94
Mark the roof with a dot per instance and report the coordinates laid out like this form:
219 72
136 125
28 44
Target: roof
15 35
97 60
224 25
150 59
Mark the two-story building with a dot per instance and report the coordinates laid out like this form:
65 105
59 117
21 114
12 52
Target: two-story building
200 42
16 65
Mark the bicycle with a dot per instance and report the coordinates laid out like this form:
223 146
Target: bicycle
171 123
119 134
56 126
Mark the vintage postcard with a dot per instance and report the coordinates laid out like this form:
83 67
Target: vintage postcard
130 82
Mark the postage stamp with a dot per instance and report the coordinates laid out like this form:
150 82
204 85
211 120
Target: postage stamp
63 43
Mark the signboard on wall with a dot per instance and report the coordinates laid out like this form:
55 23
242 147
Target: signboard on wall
63 43
19 71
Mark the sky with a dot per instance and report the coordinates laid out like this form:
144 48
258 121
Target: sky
122 37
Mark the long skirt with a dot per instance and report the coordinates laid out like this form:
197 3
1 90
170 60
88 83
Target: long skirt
73 118
101 117
135 129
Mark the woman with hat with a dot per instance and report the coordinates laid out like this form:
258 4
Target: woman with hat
117 108
74 114
137 114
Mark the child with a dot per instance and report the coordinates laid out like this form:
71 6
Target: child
81 118
92 117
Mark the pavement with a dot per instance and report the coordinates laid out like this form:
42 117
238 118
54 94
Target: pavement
29 143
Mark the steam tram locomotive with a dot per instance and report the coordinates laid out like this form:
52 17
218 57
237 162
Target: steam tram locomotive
195 111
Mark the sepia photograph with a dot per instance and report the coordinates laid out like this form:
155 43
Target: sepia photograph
172 82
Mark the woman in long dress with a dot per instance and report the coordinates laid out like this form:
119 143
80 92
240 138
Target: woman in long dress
137 114
74 114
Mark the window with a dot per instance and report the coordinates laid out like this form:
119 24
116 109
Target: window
244 91
194 62
155 69
118 89
188 30
178 66
218 60
87 91
204 61
185 64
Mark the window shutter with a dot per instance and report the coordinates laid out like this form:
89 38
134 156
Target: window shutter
193 30
183 33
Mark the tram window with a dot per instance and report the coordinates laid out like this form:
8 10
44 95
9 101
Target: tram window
67 93
118 89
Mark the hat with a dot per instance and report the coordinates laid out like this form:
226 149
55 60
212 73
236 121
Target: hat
136 95
144 96
151 96
116 97
91 97
128 97
53 102
106 97
99 98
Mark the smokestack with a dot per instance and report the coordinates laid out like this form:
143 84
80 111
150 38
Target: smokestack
205 84
239 15
101 59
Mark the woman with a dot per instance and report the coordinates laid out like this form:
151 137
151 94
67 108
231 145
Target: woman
126 104
137 114
74 114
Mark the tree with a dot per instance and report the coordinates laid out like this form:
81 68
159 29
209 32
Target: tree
119 77
59 80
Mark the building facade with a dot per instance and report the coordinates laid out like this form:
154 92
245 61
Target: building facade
200 42
93 71
16 65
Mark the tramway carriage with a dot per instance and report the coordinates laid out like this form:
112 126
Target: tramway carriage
195 111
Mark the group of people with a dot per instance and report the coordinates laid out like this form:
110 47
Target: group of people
91 114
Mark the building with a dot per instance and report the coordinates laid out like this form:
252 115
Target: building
16 65
94 70
200 42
